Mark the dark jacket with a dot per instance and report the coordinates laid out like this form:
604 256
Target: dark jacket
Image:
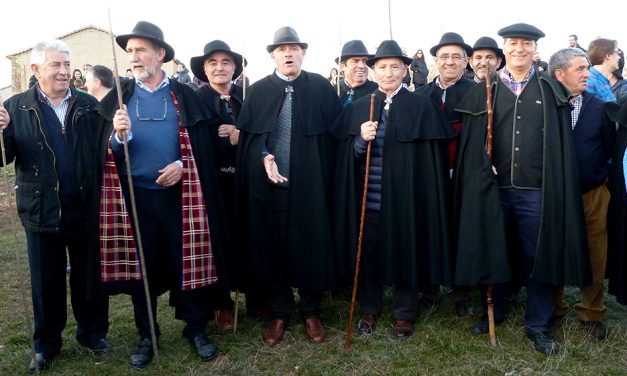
562 250
199 124
420 71
27 142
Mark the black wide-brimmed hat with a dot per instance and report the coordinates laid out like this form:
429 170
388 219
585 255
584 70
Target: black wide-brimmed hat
197 63
286 35
448 39
147 30
521 30
487 43
388 49
353 48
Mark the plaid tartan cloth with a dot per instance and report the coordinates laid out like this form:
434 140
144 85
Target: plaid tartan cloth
119 259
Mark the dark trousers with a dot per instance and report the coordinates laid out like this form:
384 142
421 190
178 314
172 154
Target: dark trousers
523 208
405 303
48 270
160 221
280 297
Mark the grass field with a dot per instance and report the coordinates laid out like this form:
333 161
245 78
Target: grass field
442 344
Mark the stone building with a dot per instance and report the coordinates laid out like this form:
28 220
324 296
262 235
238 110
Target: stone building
90 45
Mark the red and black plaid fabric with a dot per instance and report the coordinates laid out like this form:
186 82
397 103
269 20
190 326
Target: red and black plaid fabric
198 264
118 259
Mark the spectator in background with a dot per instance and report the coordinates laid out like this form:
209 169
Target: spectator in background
419 69
619 85
99 81
79 85
604 57
129 73
182 74
573 42
538 64
86 68
77 74
333 75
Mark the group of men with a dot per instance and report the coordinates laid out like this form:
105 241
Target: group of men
263 194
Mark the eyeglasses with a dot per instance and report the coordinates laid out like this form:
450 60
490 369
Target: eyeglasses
165 111
455 57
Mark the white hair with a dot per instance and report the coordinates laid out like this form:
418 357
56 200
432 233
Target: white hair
38 56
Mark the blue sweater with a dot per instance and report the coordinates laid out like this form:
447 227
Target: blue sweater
155 136
375 179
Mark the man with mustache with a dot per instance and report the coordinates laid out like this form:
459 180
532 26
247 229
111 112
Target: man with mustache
353 63
485 52
284 171
168 133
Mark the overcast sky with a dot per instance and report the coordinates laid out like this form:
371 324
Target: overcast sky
248 26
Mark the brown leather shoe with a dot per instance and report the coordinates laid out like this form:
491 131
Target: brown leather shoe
366 324
224 319
403 328
274 332
314 329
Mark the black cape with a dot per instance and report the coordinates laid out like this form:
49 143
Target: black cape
310 263
199 124
360 91
562 252
233 268
414 221
617 211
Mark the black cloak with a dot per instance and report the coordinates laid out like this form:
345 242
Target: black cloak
310 263
93 149
360 91
562 251
617 211
414 236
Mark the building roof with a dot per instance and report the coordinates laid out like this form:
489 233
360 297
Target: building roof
62 37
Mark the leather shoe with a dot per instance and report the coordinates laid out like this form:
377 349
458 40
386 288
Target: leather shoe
225 319
366 324
314 330
596 329
142 356
483 326
274 332
542 342
41 361
403 328
205 349
100 346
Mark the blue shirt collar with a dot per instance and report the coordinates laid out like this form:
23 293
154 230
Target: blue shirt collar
164 83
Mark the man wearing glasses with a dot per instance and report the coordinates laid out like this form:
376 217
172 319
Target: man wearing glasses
168 133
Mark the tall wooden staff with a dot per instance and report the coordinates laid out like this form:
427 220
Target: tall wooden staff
488 89
22 276
361 233
131 190
243 97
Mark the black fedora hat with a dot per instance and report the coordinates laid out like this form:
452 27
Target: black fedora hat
388 49
286 35
147 30
448 39
521 30
353 48
197 63
487 43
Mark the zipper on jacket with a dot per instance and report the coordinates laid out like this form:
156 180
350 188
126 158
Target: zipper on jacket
54 158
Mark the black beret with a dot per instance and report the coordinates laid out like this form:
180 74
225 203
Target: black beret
521 30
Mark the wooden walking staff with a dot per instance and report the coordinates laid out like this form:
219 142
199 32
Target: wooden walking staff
131 190
488 84
243 97
361 233
22 275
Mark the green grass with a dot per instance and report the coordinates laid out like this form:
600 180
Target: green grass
442 344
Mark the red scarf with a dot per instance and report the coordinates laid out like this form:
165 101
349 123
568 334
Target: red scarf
119 260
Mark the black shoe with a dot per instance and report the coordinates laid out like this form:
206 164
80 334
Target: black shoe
483 327
542 342
596 329
205 349
41 361
142 356
99 347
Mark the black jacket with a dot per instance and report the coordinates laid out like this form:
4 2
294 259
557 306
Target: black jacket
27 142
